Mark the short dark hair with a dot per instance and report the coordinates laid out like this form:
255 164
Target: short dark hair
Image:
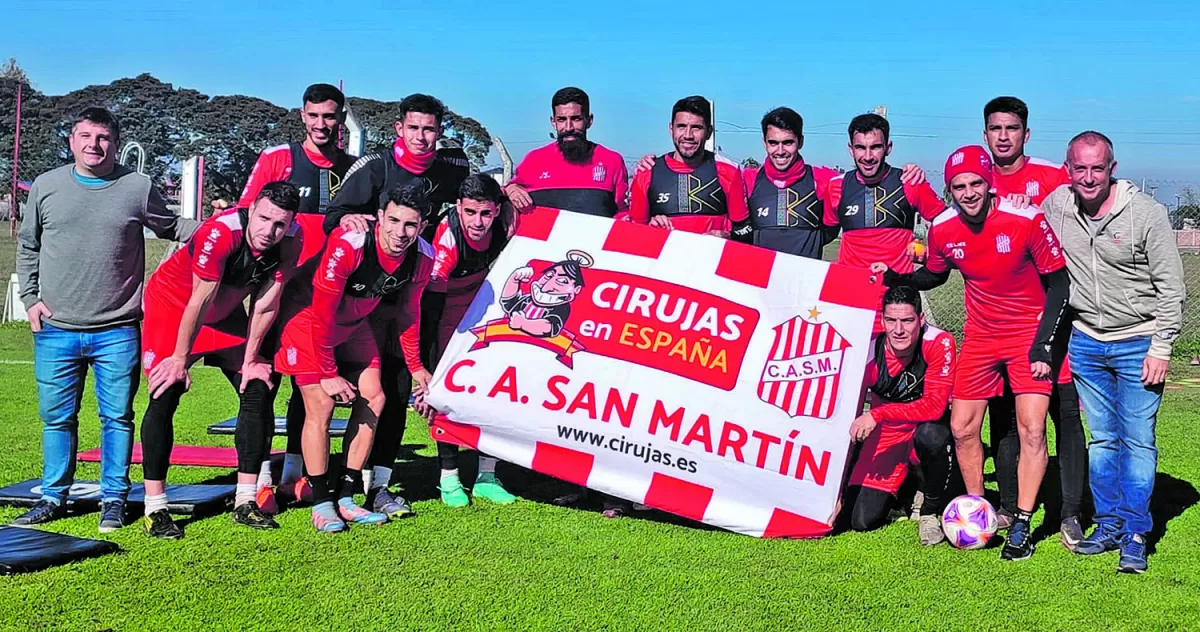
322 92
694 104
281 193
422 104
571 269
411 195
481 188
903 295
571 95
98 116
1093 137
1007 105
785 119
867 123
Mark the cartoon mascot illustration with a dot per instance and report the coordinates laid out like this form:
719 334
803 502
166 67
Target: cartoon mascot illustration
543 311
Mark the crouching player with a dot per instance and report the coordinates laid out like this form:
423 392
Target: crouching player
909 376
329 349
467 242
193 307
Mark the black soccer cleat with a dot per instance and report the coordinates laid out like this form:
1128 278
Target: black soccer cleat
250 515
1019 545
160 525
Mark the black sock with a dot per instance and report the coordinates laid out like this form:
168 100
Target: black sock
1024 516
349 483
320 488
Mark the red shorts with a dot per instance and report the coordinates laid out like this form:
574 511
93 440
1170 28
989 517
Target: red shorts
982 363
354 349
1064 373
885 457
222 343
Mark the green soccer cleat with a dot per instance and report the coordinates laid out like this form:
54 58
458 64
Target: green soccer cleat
488 487
453 493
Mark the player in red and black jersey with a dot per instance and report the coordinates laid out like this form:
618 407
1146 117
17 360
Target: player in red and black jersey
467 243
329 339
573 173
194 310
910 376
1016 297
316 166
412 159
874 206
692 189
1006 131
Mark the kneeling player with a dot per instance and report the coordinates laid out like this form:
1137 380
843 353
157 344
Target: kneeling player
909 376
329 341
467 243
1016 294
194 310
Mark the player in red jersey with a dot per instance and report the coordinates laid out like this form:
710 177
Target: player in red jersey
572 173
193 307
909 376
1006 131
414 157
467 243
715 200
875 206
1016 297
329 338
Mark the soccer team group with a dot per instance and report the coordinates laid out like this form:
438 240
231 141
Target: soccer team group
356 279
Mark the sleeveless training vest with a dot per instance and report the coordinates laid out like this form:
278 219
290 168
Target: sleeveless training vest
880 205
695 193
908 385
242 268
471 261
317 184
788 220
370 280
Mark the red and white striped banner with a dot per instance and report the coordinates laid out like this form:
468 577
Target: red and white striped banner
704 377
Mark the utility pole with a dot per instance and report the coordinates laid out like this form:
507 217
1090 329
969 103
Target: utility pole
711 143
12 208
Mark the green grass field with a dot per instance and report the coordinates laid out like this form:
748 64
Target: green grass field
536 566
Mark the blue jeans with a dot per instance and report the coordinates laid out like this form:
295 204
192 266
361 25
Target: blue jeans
1121 414
60 362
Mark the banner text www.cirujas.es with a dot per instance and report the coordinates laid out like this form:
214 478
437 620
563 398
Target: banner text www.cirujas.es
703 377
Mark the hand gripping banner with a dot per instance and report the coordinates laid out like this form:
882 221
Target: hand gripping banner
704 377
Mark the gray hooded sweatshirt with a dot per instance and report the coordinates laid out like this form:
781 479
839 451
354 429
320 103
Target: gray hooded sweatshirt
1126 275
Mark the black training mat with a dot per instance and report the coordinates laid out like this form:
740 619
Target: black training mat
29 550
85 495
337 427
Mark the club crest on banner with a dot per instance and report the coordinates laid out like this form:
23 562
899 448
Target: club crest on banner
804 367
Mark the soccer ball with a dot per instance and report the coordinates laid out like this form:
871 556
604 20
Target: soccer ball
969 522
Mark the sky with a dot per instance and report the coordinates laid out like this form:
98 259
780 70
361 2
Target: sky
1129 70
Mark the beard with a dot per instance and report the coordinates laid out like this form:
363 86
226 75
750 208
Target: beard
575 148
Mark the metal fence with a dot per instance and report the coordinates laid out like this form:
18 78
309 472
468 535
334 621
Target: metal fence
945 304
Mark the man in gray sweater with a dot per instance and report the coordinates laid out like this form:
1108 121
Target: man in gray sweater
81 259
1127 293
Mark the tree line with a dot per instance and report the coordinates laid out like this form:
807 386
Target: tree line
173 123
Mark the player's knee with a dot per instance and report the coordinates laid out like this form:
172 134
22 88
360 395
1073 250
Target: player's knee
931 438
376 402
169 397
256 394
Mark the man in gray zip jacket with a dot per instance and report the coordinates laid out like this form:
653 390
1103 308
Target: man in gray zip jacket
1127 293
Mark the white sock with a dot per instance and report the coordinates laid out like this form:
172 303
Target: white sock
452 473
293 468
264 474
244 494
487 465
383 475
368 476
154 503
